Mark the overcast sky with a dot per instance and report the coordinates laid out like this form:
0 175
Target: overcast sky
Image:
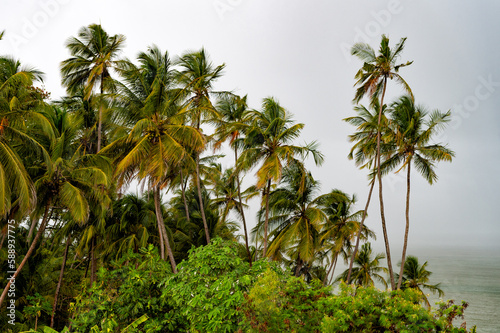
298 52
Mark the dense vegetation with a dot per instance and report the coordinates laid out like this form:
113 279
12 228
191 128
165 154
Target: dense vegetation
78 250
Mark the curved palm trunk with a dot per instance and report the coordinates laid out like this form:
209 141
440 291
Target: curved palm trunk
381 198
59 284
159 218
332 267
266 221
30 251
407 229
240 206
358 236
32 230
202 208
183 191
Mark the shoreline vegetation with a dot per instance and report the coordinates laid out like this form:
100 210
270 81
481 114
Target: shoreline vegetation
81 254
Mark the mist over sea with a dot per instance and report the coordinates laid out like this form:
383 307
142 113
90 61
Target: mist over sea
466 273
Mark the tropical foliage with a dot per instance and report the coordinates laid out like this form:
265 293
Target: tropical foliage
126 221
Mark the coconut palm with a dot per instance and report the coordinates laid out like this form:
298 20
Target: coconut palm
372 81
159 140
367 268
66 184
341 227
268 142
197 77
417 276
364 154
296 218
235 119
20 103
94 55
412 131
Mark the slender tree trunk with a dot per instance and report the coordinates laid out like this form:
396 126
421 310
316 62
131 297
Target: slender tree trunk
30 251
99 121
381 198
93 263
407 229
4 235
202 208
300 263
266 221
59 283
241 208
34 223
183 191
13 211
332 265
358 236
159 218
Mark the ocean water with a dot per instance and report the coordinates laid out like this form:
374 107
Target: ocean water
469 274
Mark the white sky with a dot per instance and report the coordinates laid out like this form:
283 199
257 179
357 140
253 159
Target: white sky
298 52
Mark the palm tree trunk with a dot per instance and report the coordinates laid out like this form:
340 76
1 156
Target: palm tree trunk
407 229
241 208
183 191
381 199
99 121
202 209
159 218
332 265
34 223
59 284
30 251
358 236
93 262
266 221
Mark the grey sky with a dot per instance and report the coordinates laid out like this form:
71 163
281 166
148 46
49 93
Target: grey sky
298 52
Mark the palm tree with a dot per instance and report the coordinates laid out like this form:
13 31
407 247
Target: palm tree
296 218
268 142
412 134
372 80
197 76
20 103
66 184
368 269
235 119
94 55
341 227
364 154
417 276
158 140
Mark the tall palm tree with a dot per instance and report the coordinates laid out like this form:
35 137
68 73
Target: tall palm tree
268 142
197 76
158 140
235 120
94 54
372 81
417 276
412 133
368 268
364 154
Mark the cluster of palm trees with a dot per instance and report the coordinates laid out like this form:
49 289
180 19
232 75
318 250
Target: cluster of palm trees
392 137
156 123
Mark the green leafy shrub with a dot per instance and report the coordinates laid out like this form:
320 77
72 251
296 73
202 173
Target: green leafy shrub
283 304
125 293
209 287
